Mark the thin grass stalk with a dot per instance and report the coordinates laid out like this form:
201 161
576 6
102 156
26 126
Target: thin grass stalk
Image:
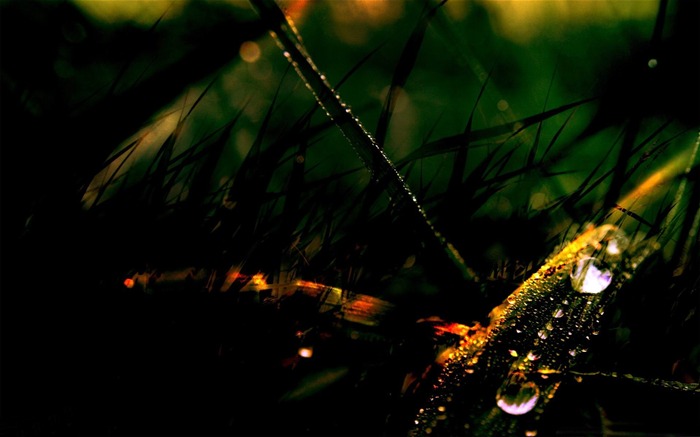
362 142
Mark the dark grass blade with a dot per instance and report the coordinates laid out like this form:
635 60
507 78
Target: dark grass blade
200 185
556 136
460 161
535 144
452 143
403 69
131 148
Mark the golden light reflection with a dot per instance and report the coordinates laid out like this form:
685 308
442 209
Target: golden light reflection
347 15
655 185
140 13
249 51
522 21
306 352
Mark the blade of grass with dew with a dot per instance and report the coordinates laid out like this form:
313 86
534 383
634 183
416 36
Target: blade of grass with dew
363 143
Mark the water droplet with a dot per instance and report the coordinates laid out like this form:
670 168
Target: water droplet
652 63
532 356
517 396
590 276
617 243
558 313
513 353
543 334
549 326
531 433
572 352
441 408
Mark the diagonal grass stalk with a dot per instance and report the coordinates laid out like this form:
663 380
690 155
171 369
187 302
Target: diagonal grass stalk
359 138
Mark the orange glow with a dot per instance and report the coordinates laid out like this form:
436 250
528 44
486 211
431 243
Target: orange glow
309 284
233 276
645 187
258 279
249 51
295 9
129 283
653 185
306 352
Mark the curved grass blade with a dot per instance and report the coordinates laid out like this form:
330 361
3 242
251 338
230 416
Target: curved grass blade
453 142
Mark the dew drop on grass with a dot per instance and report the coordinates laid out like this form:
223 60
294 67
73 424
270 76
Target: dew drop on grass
517 397
617 244
590 276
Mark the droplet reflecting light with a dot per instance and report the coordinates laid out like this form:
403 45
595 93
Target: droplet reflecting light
590 276
517 398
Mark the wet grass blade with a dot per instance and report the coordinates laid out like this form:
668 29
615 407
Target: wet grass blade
363 143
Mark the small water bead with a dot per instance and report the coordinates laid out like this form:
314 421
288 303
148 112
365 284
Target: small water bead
617 244
543 334
589 275
558 313
517 397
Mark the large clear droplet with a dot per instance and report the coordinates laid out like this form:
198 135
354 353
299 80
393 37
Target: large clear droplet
517 396
590 276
